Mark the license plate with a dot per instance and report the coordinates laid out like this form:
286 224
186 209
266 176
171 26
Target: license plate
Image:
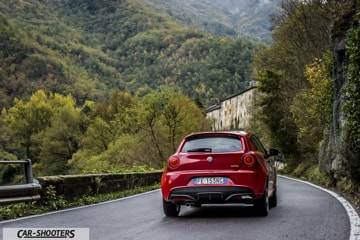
210 180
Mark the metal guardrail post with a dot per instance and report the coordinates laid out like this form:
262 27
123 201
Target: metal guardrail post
21 192
28 171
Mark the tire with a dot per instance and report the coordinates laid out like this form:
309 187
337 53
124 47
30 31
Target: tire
262 205
273 199
171 209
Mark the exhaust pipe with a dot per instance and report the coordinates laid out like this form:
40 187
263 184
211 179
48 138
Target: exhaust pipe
190 204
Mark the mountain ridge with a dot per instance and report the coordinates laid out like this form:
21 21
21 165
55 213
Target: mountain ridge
90 48
244 18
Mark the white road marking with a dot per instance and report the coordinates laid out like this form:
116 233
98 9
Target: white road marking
351 212
78 207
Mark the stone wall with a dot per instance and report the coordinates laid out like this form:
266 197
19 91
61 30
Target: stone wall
234 112
72 186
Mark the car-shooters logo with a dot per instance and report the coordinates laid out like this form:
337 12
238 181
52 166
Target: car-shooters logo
46 233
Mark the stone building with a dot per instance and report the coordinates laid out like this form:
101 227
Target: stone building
234 112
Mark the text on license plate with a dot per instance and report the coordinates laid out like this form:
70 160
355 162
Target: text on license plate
210 180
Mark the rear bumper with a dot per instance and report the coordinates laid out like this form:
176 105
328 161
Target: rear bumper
247 183
212 195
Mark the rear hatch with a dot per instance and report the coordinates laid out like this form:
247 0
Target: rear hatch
213 152
210 161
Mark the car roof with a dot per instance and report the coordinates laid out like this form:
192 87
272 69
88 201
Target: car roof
219 133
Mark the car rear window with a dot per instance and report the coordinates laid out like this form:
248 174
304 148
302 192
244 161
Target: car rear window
212 144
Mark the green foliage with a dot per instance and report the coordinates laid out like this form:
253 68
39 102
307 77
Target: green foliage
7 156
301 36
273 112
312 108
141 132
10 39
18 210
51 201
352 107
48 129
11 174
249 19
24 120
60 141
125 47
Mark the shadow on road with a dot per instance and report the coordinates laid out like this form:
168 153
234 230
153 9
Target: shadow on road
217 211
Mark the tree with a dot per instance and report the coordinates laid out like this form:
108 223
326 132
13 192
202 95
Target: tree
274 114
59 141
180 116
146 133
24 120
47 127
108 122
352 109
312 109
148 113
301 35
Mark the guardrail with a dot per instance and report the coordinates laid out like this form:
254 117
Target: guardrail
68 186
74 186
26 191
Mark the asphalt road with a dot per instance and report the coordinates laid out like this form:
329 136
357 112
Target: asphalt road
303 213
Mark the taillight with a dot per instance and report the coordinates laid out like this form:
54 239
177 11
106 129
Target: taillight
249 160
174 162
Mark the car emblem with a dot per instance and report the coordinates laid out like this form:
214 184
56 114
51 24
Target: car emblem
209 159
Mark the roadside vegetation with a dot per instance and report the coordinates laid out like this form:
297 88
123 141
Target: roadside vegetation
118 135
307 109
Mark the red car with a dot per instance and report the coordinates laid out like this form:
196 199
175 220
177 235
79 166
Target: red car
217 168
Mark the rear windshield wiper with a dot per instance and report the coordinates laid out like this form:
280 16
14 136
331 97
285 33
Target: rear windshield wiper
200 150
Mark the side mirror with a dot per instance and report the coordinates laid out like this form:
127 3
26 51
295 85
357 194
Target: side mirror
278 157
274 152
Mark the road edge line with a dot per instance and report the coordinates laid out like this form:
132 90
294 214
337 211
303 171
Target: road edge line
77 207
350 210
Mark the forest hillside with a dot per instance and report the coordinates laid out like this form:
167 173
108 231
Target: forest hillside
94 86
244 18
89 48
84 81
